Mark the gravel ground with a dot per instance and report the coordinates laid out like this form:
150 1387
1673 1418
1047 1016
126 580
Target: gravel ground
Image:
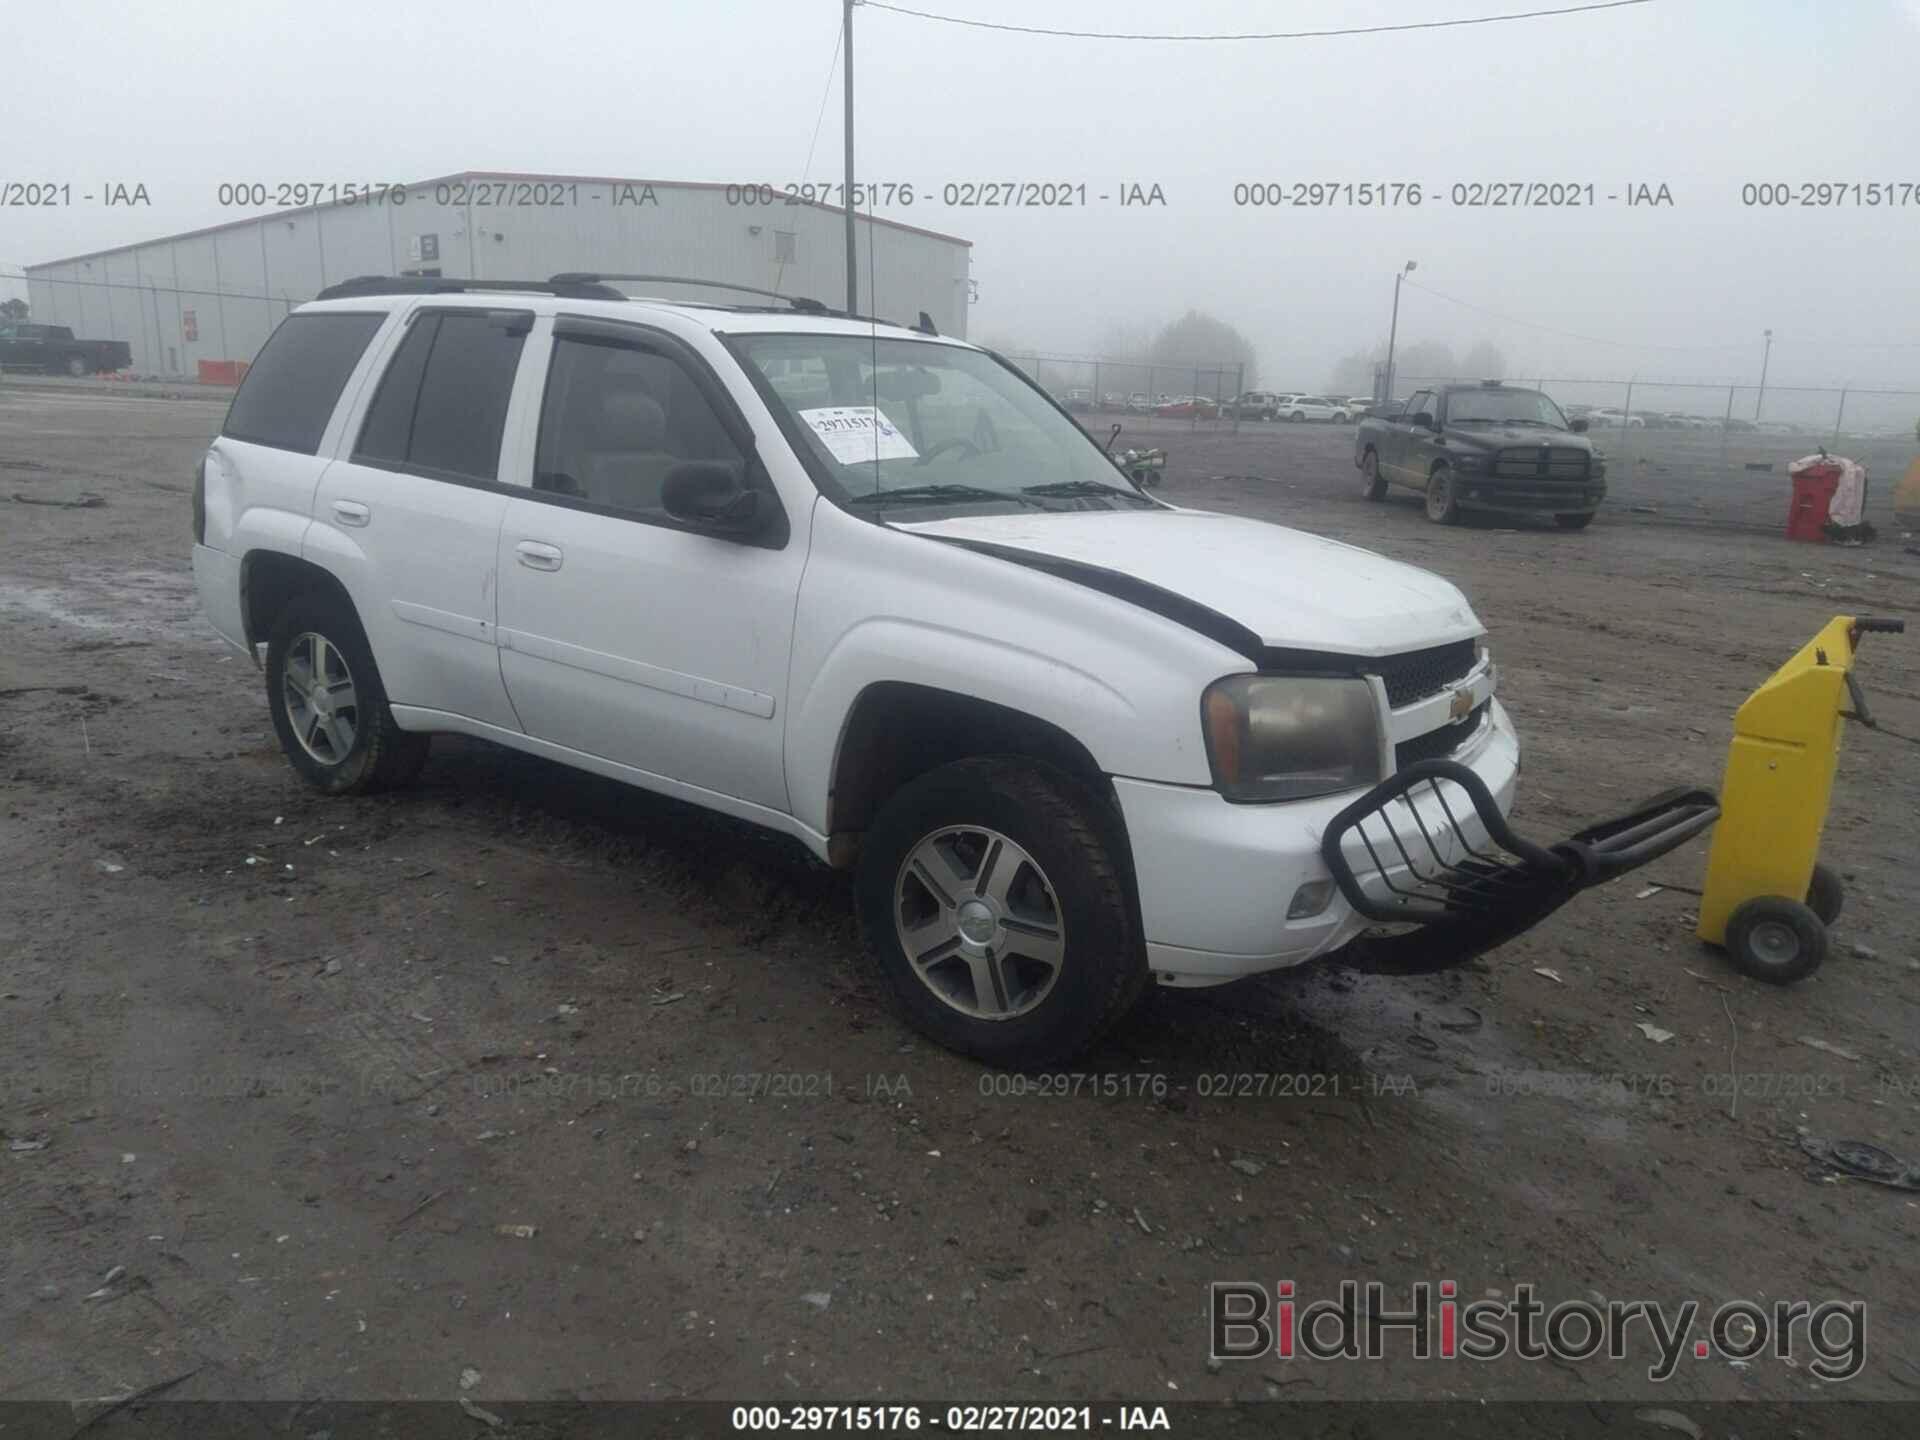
280 1069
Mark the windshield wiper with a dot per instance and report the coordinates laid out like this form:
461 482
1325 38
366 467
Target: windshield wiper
1081 487
907 494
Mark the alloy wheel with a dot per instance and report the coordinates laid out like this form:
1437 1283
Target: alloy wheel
979 922
322 706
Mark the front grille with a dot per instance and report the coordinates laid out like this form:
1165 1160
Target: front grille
1551 462
1438 744
1420 673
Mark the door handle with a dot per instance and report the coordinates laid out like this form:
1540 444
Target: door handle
351 512
536 555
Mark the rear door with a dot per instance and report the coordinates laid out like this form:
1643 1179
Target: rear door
624 633
410 515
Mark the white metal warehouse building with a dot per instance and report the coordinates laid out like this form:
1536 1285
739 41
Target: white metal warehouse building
192 305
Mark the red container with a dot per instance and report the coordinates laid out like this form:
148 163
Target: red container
1813 491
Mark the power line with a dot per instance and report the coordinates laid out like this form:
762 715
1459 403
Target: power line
1266 35
1572 334
826 94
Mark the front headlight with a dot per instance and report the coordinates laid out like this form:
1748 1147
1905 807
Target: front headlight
1465 461
1286 737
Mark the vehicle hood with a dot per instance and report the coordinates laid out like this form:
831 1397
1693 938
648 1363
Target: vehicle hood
1291 589
1495 437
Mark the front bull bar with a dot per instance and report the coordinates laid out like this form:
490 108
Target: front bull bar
1468 898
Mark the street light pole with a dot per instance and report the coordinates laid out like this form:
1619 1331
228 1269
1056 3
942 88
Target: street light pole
1393 330
847 192
1763 376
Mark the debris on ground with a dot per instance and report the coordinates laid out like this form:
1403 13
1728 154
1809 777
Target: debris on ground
1825 1047
485 1417
819 1299
1863 1161
517 1232
1246 1167
1551 974
1669 1420
83 502
1654 1032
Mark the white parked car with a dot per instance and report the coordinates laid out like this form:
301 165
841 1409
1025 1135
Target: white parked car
869 588
1313 407
1606 417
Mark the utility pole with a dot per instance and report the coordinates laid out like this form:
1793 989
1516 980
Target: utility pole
847 192
1393 330
1763 376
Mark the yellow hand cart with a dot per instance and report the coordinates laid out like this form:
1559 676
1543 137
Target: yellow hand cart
1768 899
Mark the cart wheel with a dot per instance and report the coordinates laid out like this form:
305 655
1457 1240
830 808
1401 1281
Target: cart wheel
1776 939
1825 894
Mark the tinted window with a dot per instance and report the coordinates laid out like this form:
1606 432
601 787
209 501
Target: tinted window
442 404
615 420
296 379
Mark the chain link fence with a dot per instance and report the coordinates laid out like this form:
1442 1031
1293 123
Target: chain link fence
1719 451
1141 394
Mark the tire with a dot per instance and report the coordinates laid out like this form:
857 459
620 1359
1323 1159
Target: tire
78 367
1776 940
1442 508
1009 840
1825 894
1574 522
1297 416
1371 484
351 748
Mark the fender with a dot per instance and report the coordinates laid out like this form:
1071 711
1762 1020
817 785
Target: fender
1123 682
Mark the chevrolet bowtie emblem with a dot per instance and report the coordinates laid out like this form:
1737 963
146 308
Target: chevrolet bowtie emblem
1461 705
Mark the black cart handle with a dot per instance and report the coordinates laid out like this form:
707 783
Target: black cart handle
1867 625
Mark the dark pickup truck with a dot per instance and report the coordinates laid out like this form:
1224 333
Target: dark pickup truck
1483 447
53 349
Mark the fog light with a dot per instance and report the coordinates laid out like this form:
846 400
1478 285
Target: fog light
1310 899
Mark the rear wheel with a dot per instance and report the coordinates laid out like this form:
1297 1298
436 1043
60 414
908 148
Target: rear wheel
1297 415
1371 483
77 366
1573 522
329 707
993 906
1825 894
1443 508
1777 940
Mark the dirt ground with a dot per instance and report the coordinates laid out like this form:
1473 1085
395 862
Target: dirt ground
277 1069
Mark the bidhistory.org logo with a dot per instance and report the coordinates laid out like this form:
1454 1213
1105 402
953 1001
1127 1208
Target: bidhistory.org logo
1248 1323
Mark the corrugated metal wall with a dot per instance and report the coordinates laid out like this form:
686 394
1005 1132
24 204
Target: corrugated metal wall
216 295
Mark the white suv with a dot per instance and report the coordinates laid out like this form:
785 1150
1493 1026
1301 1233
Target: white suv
861 585
1313 407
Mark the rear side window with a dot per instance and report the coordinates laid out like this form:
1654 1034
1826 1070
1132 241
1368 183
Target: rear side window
296 379
442 405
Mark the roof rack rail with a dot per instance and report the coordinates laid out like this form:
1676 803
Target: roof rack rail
798 302
564 286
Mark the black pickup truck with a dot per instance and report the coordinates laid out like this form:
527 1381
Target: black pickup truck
1484 446
53 349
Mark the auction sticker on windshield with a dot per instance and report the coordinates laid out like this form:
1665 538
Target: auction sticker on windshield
858 434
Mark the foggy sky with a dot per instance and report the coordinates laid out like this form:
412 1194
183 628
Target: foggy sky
1701 95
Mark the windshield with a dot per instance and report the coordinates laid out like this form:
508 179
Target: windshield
1503 407
896 422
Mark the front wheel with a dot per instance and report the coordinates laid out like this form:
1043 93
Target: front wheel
992 903
1297 416
1372 485
1443 507
1574 522
1775 939
329 707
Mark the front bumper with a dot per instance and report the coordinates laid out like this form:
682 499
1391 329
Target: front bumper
1535 497
1216 879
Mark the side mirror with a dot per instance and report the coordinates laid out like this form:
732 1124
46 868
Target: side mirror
1423 419
1113 436
711 495
1578 426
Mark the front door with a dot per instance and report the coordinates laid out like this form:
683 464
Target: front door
625 634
